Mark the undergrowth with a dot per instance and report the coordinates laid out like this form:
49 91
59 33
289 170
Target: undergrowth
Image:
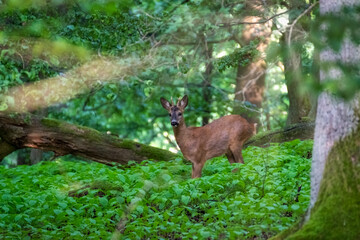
67 199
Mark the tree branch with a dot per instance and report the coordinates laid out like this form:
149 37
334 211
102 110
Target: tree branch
259 22
195 43
300 131
297 19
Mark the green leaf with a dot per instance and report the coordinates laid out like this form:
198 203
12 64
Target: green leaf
175 202
5 208
185 199
57 211
62 205
103 201
18 217
166 177
69 212
295 207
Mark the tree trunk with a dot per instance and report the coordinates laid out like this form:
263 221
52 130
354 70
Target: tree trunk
206 84
36 156
64 138
22 157
299 102
334 211
250 79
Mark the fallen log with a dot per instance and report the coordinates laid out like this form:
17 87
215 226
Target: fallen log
300 131
62 138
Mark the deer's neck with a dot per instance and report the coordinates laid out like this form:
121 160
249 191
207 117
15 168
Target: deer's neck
180 133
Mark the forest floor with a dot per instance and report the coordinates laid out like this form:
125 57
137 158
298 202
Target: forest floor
73 199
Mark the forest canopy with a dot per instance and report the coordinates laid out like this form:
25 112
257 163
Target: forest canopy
114 60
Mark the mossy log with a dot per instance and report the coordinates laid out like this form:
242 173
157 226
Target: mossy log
300 131
62 138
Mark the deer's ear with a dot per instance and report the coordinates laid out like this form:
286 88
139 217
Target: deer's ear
183 102
165 103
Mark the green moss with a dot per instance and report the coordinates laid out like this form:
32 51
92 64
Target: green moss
338 217
92 134
155 153
147 151
127 144
282 235
51 122
307 119
27 118
336 214
74 129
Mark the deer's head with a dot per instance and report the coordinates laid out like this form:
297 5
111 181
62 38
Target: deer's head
175 111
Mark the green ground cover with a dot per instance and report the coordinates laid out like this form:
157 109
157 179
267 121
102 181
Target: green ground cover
72 199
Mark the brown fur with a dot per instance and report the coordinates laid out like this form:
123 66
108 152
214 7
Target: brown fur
225 135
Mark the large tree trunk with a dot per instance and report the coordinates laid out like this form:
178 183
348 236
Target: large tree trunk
334 211
64 138
299 102
250 79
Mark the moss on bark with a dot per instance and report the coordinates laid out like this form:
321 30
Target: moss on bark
65 138
336 214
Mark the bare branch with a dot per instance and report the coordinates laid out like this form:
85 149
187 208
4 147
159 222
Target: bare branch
195 43
297 19
259 22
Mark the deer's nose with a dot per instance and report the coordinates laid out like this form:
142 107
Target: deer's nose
174 123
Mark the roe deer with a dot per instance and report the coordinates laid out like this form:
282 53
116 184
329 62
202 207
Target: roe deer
198 144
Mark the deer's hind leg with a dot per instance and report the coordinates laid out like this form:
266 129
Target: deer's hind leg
230 156
236 151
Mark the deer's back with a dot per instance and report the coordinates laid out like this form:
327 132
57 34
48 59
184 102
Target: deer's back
214 139
232 125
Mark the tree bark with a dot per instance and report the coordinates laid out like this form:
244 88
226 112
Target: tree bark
64 138
206 83
36 156
299 102
334 211
250 79
335 118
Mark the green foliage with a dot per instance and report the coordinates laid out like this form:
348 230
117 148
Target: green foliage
70 32
13 70
241 56
79 24
75 199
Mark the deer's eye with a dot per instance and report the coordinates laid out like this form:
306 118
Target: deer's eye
169 114
180 114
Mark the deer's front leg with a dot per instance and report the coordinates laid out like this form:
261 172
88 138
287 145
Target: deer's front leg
196 169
